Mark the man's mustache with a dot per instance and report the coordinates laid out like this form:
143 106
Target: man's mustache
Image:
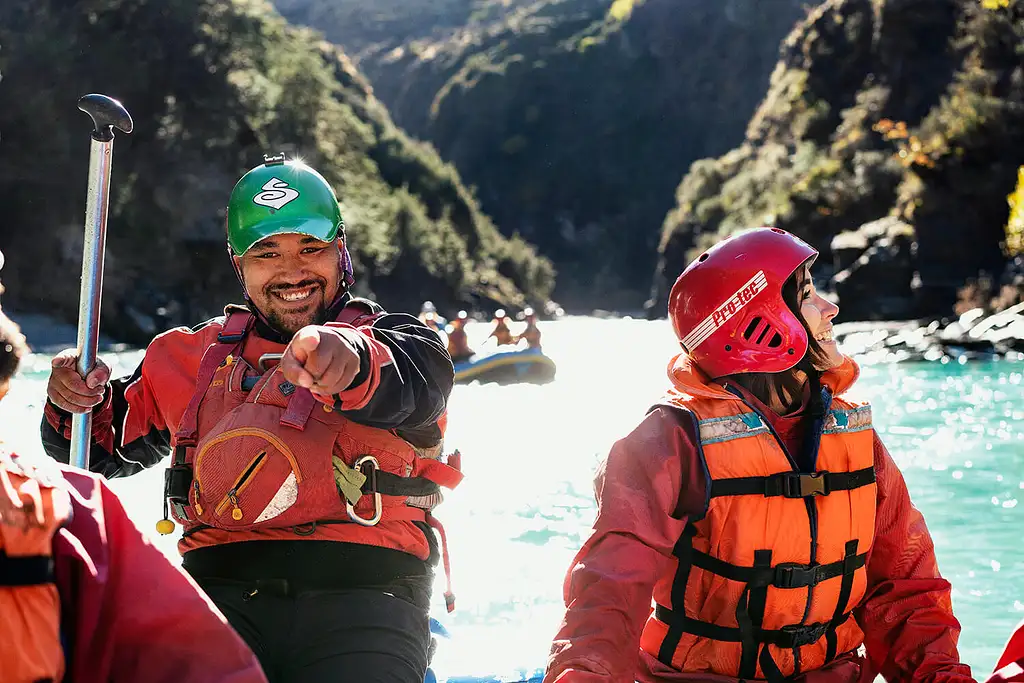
275 289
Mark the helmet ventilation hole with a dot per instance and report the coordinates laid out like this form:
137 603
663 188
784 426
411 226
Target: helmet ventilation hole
760 332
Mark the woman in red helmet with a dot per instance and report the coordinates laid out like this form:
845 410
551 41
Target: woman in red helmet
753 526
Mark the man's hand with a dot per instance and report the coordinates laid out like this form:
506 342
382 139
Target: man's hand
66 388
320 359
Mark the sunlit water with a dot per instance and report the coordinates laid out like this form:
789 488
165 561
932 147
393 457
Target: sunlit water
957 432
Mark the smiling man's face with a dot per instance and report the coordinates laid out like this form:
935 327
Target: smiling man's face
291 279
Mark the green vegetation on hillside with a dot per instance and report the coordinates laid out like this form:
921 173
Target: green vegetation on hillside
212 86
910 111
574 119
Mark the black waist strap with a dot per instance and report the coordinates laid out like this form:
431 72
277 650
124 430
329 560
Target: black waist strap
785 575
785 637
33 570
393 485
793 484
323 564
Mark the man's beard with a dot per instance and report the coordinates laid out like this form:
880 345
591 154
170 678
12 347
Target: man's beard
318 316
289 328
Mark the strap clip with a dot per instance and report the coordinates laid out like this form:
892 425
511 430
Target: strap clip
801 485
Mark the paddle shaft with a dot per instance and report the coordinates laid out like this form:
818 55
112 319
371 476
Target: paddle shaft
91 292
106 114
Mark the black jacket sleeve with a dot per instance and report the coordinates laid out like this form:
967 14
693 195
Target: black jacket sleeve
413 390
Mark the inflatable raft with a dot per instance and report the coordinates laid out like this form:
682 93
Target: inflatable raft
506 367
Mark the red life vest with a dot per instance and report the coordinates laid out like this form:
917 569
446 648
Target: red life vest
255 452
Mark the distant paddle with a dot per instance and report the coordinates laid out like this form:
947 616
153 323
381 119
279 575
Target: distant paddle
106 114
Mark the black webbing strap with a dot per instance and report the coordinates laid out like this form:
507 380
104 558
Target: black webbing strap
850 569
785 637
683 551
793 484
390 484
750 615
32 570
785 575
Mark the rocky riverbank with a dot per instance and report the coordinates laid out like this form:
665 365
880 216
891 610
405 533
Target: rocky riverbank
972 336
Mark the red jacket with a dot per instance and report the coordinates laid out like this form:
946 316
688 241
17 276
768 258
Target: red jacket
127 613
652 482
1010 667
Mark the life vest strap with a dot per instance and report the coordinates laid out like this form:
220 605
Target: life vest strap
449 594
831 636
793 484
683 550
229 341
401 513
786 637
389 484
31 570
783 575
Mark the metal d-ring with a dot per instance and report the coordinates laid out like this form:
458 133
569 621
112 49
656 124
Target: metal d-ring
265 358
377 507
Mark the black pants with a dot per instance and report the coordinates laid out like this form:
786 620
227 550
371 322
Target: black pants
327 636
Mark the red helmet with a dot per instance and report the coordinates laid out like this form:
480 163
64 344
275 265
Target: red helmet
727 307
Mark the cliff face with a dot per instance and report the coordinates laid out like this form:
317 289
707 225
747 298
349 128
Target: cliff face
213 86
574 119
889 138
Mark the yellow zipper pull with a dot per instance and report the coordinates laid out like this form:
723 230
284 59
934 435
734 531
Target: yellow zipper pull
198 506
236 512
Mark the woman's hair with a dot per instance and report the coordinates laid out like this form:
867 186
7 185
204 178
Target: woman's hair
787 385
12 348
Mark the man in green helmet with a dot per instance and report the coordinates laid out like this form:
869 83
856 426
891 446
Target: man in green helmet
306 430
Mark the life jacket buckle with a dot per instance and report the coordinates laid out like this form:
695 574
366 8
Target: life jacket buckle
229 338
800 635
802 485
374 466
793 575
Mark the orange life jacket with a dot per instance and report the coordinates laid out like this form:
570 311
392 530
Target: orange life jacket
501 332
458 342
532 336
255 452
764 584
33 507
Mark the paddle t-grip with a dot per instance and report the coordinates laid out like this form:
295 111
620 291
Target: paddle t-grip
106 114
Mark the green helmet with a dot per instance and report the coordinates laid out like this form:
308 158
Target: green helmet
280 197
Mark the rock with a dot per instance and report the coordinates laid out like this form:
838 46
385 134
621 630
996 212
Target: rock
875 269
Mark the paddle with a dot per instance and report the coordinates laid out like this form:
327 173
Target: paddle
106 114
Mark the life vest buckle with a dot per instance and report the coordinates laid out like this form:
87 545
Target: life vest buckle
803 485
378 510
794 575
228 338
800 635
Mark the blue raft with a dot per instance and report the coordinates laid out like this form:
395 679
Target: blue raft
506 367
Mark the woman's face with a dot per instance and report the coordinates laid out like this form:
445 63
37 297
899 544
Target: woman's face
818 313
